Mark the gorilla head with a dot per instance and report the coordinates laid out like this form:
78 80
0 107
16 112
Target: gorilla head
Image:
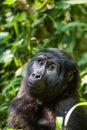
50 73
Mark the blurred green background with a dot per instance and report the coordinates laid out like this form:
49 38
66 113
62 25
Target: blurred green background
27 26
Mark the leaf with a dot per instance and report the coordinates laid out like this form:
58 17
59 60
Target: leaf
21 71
59 121
84 80
74 24
38 21
9 2
3 34
83 59
75 2
6 57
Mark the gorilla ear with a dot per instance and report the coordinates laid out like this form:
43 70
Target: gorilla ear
70 75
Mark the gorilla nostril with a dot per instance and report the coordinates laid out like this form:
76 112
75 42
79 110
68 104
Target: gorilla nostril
37 76
33 75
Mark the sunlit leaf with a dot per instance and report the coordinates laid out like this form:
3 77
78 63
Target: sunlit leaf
3 34
76 1
6 57
59 121
9 2
84 80
21 71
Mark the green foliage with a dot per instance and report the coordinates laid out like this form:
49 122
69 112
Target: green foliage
27 26
59 122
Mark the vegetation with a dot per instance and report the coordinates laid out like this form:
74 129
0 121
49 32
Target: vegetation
27 26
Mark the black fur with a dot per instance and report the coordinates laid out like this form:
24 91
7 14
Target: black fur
48 90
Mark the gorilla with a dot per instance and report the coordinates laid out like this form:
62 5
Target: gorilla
49 90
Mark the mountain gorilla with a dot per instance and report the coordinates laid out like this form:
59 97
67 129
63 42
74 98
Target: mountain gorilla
48 90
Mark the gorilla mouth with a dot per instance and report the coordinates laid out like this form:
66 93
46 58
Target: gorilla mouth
30 84
33 86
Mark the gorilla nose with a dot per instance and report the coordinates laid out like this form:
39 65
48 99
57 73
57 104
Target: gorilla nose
36 76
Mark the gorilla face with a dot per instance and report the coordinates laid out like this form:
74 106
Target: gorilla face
49 74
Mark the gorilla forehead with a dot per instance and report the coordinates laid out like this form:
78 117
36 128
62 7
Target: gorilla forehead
54 53
50 52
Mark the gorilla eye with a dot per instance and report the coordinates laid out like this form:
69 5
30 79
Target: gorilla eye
40 61
51 67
